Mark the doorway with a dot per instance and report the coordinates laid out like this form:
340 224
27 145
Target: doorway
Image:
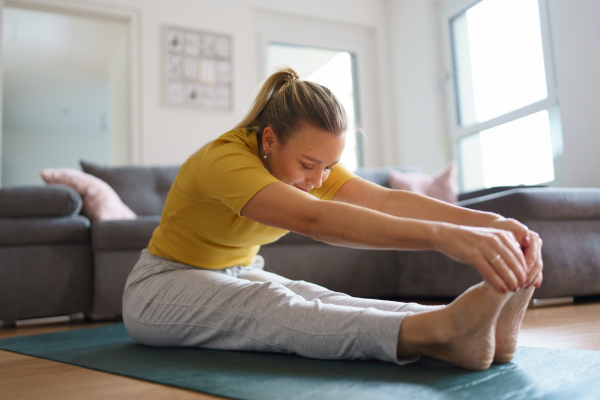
66 92
315 48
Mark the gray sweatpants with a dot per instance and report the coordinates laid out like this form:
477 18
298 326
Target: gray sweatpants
246 308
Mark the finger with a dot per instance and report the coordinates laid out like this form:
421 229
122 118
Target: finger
495 280
519 230
538 282
535 274
517 251
513 259
522 235
490 275
531 252
534 278
502 269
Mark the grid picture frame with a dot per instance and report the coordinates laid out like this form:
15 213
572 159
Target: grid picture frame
197 69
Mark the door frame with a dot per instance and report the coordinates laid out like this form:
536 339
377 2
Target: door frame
129 15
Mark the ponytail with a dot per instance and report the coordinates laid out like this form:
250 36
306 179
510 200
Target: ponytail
284 102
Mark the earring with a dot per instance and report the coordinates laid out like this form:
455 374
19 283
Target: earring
265 151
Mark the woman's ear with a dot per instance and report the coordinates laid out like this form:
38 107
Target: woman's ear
268 138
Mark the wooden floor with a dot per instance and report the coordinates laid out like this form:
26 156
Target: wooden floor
22 377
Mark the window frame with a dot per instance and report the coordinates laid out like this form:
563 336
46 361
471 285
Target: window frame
452 9
272 27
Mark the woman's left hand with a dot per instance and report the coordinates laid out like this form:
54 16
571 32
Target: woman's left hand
531 244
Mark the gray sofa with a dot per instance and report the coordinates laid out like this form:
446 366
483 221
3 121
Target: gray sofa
53 261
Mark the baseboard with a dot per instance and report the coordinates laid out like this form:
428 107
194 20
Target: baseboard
551 301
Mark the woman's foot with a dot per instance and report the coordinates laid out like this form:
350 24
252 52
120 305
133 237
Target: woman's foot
509 324
463 333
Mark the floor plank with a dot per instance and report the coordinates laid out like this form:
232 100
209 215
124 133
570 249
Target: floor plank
567 327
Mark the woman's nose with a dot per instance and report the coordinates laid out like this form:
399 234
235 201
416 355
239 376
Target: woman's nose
315 179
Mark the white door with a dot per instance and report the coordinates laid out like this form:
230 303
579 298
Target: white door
65 91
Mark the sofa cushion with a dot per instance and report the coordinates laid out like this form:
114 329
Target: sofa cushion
100 202
143 188
43 231
123 235
443 185
381 175
39 201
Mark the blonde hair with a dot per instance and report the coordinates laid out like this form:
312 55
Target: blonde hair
284 102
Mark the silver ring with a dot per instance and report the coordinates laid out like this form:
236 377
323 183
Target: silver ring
493 260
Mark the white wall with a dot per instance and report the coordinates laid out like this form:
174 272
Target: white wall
419 118
576 37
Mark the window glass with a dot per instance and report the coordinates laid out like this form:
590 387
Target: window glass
515 153
330 68
499 60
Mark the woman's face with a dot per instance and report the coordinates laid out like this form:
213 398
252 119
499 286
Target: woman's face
307 157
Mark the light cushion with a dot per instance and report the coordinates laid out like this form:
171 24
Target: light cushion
143 188
100 202
442 185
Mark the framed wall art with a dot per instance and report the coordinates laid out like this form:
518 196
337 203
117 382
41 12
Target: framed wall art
197 69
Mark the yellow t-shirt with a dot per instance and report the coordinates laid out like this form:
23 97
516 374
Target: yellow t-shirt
201 223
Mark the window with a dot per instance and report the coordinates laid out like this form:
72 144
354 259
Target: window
504 104
330 68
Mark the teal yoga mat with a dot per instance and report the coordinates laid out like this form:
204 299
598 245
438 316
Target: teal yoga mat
535 373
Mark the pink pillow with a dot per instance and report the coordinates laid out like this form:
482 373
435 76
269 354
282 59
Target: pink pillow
442 185
100 201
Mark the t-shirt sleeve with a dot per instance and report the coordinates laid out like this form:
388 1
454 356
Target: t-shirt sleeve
232 175
338 176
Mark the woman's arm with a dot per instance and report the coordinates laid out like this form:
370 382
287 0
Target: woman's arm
363 226
402 203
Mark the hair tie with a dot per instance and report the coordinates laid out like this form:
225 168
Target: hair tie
291 77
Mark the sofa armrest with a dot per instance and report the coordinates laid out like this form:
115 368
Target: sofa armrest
123 234
541 203
39 201
493 190
44 230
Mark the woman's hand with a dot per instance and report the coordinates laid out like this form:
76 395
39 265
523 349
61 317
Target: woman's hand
531 245
495 253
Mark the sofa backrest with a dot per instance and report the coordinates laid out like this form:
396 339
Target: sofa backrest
143 188
380 175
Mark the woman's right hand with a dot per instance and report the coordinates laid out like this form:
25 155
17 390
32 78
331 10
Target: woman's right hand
495 253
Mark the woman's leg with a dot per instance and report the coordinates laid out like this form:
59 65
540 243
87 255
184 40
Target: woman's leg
313 292
168 304
507 326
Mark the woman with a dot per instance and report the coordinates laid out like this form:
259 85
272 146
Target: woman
201 283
